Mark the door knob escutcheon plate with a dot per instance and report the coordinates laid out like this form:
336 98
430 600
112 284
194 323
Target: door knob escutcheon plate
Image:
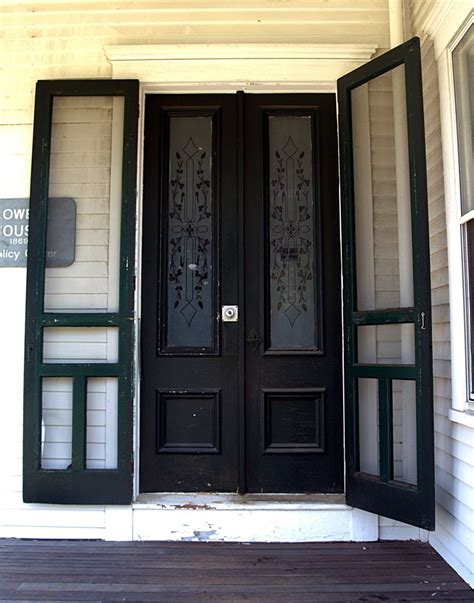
230 313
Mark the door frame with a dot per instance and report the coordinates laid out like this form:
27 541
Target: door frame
152 89
153 66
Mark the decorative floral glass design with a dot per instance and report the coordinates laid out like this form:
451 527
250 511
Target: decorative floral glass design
291 232
190 234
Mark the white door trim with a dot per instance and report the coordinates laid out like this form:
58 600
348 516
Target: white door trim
238 66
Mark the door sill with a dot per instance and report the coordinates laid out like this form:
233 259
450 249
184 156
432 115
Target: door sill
232 517
226 500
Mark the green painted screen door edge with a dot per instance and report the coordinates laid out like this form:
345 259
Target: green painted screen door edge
387 299
79 352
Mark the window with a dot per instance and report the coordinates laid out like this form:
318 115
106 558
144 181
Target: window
463 76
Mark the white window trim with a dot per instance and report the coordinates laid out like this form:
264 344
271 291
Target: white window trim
455 25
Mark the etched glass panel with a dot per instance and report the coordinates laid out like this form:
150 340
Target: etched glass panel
190 242
291 233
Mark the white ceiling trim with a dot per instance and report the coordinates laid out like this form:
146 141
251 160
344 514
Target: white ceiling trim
226 52
257 67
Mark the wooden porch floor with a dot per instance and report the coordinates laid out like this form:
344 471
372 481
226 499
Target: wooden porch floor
194 571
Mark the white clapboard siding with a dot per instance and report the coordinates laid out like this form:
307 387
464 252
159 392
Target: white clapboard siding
75 352
385 340
81 168
454 481
81 126
385 226
454 443
48 39
56 428
448 465
82 335
77 345
78 268
82 302
384 193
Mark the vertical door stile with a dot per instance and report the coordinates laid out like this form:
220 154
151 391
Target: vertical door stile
241 287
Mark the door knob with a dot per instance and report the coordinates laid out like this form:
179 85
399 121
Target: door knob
230 313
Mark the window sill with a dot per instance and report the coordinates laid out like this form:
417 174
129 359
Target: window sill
463 417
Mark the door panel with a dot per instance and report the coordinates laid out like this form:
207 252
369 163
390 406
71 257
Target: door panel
292 271
189 360
389 405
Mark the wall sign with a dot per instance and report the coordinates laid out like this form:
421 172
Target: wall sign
61 232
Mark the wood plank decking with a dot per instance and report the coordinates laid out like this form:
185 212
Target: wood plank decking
194 571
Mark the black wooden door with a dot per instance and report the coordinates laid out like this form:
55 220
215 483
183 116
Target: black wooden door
253 405
293 311
189 388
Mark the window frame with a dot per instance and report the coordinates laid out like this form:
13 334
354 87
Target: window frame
464 219
462 371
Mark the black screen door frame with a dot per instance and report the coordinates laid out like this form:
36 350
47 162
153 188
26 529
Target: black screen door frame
77 484
386 496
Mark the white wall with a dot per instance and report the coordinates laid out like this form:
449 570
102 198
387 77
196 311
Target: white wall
48 39
454 442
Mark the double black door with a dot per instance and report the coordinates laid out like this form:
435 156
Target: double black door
241 211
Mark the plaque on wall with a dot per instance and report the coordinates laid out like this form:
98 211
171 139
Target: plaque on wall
61 232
